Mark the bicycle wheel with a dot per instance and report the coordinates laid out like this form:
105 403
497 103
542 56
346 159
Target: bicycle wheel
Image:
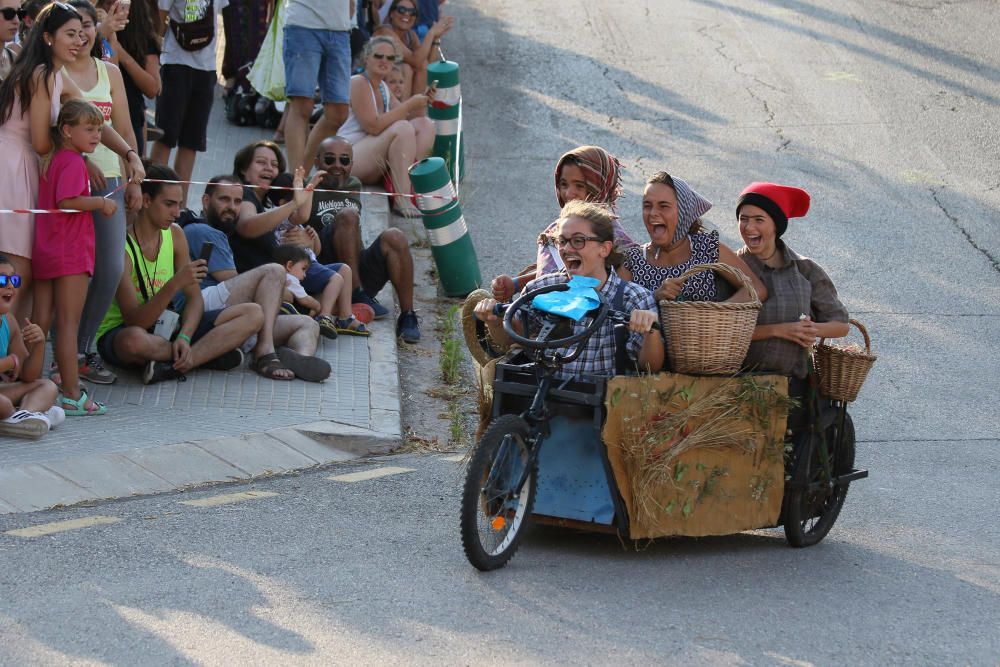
494 513
810 514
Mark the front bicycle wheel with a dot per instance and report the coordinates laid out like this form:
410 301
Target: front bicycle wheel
495 509
811 513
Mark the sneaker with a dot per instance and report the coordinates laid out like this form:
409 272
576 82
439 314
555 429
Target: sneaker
361 296
55 415
287 308
158 371
25 424
226 362
92 370
408 327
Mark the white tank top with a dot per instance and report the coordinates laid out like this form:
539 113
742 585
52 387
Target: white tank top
351 129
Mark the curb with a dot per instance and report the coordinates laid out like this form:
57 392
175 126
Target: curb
184 465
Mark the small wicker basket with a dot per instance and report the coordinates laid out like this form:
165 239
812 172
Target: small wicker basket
705 337
842 372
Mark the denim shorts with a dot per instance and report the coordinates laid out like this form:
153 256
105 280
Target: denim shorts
320 57
317 276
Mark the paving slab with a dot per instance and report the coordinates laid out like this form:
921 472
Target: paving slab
109 476
257 453
32 487
185 464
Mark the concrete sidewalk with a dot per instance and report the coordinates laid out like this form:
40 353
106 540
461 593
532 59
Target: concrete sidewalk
216 426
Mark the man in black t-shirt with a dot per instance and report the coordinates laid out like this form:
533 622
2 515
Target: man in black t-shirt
336 217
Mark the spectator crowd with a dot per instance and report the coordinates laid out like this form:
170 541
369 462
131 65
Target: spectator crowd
100 254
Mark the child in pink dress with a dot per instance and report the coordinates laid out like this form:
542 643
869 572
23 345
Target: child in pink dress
62 256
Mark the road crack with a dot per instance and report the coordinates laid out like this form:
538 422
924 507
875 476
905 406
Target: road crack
968 237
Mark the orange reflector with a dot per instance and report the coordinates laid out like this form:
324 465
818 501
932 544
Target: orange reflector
498 523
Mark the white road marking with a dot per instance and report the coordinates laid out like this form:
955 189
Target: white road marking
369 474
62 526
228 498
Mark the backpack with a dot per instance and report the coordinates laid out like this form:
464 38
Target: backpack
196 35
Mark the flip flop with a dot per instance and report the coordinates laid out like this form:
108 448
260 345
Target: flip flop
310 369
344 327
24 424
267 366
79 407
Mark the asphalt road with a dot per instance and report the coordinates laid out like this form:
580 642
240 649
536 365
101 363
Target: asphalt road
887 112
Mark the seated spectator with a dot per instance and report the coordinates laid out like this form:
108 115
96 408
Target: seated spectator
294 336
336 216
296 261
157 266
331 282
671 212
380 128
399 24
586 242
26 402
395 83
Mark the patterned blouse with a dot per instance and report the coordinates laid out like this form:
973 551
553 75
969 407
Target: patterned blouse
699 287
800 287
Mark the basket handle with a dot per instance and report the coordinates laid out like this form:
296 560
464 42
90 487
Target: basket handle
731 271
864 332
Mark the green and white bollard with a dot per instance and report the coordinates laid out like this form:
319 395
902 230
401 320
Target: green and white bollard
451 244
446 112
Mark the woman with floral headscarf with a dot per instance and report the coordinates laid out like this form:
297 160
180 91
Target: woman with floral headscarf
586 173
671 212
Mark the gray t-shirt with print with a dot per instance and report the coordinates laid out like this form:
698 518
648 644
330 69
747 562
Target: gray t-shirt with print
187 11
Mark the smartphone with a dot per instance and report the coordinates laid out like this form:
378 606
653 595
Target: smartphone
206 250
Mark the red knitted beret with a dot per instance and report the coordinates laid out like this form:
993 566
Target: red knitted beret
780 201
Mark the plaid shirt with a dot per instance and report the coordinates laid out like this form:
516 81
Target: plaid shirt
799 287
598 355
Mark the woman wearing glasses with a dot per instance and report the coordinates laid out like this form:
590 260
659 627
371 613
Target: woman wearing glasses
380 127
30 98
400 25
585 238
671 212
10 20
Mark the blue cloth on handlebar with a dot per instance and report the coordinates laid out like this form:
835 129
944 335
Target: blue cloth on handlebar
574 303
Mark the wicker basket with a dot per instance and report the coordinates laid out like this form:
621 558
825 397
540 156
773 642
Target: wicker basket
841 373
705 337
481 345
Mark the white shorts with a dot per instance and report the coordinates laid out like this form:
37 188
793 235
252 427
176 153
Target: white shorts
215 296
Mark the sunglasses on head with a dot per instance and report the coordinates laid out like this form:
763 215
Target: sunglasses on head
576 242
13 280
412 11
330 160
9 13
383 56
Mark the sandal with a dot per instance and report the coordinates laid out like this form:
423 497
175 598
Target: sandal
327 326
310 369
268 365
78 408
351 326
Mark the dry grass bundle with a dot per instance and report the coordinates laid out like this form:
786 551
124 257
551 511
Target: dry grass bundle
734 414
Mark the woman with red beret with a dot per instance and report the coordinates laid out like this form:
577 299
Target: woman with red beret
803 303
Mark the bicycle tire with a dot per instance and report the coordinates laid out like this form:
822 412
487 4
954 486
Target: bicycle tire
493 518
809 515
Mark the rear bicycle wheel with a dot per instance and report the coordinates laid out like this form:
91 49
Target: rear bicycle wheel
495 513
811 513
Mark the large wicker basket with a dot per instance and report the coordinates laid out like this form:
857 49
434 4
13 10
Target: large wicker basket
842 372
481 345
705 337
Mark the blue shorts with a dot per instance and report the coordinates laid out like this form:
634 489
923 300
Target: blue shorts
317 276
106 343
320 57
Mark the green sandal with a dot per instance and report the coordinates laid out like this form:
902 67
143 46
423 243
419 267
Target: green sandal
79 408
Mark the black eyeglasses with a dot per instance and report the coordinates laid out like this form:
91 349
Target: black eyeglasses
13 280
9 13
412 11
330 160
383 56
576 242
